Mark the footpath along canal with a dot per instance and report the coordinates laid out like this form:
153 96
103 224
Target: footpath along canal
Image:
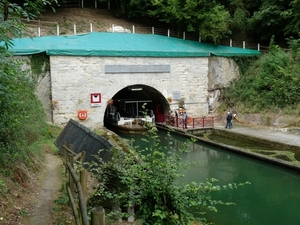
272 197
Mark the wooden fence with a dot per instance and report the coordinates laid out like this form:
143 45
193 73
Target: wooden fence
77 189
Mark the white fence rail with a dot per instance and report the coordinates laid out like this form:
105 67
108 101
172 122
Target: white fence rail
37 28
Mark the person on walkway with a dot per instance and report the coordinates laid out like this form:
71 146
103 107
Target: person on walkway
228 120
185 118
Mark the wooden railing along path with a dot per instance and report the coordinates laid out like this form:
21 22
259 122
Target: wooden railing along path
77 189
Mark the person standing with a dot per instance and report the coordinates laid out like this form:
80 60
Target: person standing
185 118
228 120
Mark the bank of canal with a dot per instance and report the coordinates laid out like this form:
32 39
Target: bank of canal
272 198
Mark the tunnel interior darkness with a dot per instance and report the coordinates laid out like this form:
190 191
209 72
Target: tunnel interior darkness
143 94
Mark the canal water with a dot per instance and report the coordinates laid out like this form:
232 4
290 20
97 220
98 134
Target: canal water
272 198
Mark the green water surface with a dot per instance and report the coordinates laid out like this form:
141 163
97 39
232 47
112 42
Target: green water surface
272 198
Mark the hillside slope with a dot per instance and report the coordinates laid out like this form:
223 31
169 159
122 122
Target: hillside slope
82 18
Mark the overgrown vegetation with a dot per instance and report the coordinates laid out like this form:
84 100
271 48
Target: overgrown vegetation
150 182
270 83
22 119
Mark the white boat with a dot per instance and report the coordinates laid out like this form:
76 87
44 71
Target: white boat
135 124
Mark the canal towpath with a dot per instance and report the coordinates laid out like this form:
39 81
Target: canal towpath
279 135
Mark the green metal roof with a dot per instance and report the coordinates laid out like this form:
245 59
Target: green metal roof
123 45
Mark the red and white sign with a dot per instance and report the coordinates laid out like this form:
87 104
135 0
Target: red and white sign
95 99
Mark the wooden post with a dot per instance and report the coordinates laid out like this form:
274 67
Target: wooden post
65 156
73 204
71 181
98 216
83 182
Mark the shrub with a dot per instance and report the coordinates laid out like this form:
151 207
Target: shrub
22 118
271 81
151 182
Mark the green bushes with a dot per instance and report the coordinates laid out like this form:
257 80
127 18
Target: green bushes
151 182
272 81
22 117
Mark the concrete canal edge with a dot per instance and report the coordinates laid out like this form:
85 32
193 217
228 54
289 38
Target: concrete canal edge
226 133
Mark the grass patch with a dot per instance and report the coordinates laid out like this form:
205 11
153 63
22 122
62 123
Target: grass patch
283 157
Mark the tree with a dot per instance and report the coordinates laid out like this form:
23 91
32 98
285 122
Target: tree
11 24
22 118
150 180
293 27
269 19
208 18
271 81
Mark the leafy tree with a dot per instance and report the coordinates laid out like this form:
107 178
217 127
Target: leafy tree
11 24
272 80
240 15
214 24
139 8
293 27
151 181
22 118
208 18
268 19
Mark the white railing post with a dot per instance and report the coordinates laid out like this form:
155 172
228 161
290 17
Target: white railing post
57 30
113 28
133 30
39 31
230 42
183 35
152 30
74 28
91 27
96 6
81 3
199 38
258 47
108 5
244 44
168 32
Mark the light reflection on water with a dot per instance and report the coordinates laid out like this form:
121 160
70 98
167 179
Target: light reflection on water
273 198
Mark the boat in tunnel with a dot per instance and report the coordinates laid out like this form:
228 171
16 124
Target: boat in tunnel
134 109
129 116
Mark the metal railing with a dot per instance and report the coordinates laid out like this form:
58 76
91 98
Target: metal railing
192 123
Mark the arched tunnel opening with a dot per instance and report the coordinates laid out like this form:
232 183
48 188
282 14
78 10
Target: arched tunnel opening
134 101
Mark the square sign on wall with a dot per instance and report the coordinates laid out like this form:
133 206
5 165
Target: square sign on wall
95 99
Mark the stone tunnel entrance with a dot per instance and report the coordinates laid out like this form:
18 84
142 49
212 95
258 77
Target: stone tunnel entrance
135 100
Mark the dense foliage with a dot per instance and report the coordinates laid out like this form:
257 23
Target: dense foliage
212 20
271 81
217 19
22 118
151 182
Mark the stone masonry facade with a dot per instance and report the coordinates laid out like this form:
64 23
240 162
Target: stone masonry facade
73 79
66 88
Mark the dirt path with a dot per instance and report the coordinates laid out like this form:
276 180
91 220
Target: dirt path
49 183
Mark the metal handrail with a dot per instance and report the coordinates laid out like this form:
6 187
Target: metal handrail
192 123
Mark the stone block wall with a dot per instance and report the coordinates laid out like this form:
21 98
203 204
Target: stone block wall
73 79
